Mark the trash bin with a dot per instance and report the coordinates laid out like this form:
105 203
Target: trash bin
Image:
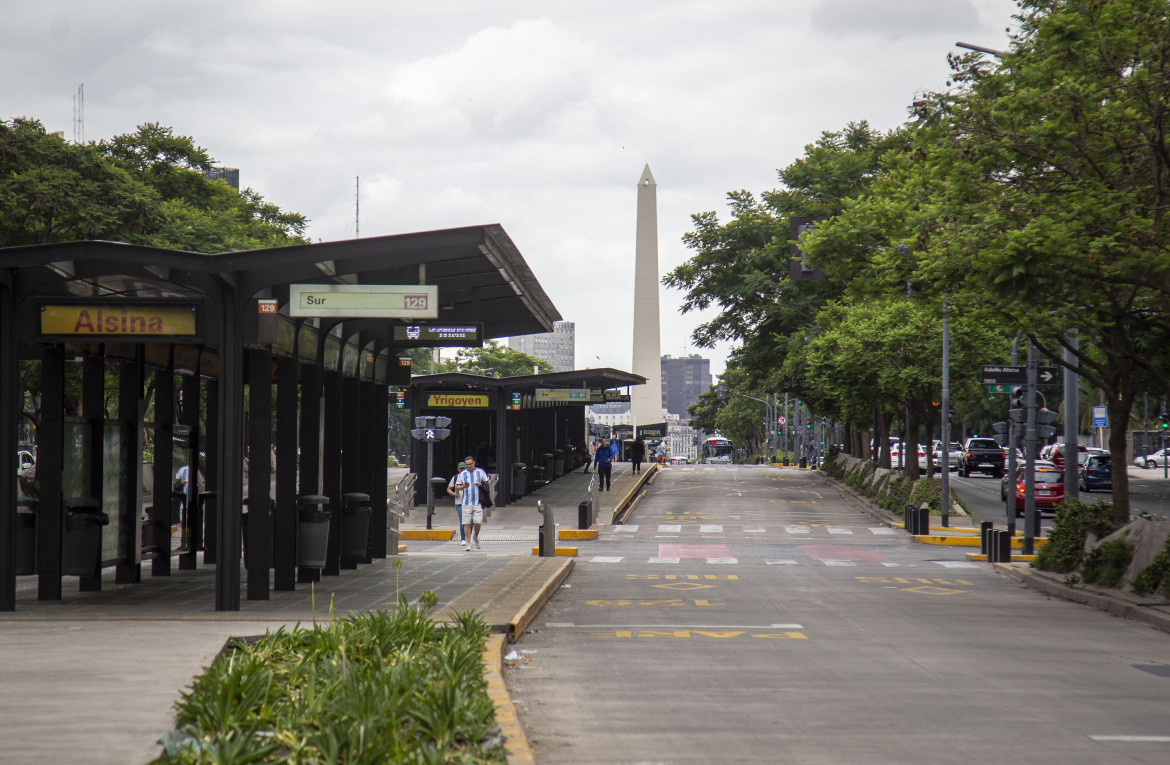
572 461
26 536
312 531
550 462
355 524
519 480
558 463
585 514
81 551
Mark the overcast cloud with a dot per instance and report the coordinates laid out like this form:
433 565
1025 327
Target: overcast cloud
536 115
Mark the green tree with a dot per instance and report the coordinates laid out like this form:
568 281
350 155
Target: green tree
500 359
1052 195
53 191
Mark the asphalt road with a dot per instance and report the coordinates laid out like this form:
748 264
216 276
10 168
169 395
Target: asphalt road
755 615
1149 492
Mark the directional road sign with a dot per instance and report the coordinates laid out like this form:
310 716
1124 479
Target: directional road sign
1047 375
1003 375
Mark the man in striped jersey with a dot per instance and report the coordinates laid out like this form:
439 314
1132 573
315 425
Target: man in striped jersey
471 484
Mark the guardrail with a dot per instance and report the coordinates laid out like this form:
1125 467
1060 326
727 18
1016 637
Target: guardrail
398 503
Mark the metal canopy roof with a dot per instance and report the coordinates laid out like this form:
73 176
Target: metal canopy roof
479 271
603 377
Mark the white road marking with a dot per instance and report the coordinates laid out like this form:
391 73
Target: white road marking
1134 739
665 527
723 560
956 564
884 530
839 563
627 528
781 562
607 559
796 529
840 531
710 529
754 531
663 560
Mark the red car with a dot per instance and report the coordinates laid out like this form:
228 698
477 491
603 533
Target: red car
1049 488
1058 451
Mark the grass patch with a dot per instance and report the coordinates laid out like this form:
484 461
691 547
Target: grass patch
1105 563
372 688
1154 576
1065 550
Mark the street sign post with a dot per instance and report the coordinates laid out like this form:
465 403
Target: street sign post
430 429
1003 375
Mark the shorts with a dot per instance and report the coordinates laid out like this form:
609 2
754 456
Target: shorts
472 514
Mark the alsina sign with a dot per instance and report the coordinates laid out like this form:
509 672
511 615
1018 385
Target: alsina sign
120 320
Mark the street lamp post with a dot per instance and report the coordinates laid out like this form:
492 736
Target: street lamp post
768 413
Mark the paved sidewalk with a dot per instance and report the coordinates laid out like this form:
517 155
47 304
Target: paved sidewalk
93 678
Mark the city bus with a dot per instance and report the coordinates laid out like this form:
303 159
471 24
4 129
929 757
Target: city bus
717 450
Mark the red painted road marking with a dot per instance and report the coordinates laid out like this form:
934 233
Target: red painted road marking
693 551
842 552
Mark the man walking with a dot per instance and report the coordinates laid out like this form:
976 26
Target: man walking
472 483
458 503
603 464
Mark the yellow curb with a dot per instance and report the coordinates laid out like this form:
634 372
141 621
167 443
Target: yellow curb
401 548
970 541
519 752
434 535
1015 558
567 552
529 610
957 530
577 534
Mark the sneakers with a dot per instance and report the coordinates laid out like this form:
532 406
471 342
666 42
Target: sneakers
477 543
464 543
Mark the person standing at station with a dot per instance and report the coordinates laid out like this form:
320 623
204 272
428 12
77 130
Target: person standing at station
660 452
603 464
637 454
458 503
472 483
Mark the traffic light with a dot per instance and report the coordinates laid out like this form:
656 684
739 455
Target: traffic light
1045 419
1017 397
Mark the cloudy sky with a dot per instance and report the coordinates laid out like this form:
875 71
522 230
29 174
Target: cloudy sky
536 115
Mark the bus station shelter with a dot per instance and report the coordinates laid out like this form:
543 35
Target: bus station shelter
525 422
135 356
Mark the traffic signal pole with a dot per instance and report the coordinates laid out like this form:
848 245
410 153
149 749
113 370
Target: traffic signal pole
1030 454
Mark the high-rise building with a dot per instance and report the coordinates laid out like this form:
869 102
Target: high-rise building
683 379
229 175
558 347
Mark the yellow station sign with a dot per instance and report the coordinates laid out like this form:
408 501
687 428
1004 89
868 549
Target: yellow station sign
127 320
458 400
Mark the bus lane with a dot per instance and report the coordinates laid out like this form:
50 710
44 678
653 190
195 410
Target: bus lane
751 614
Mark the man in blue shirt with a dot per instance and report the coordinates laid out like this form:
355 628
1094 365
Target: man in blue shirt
471 484
603 464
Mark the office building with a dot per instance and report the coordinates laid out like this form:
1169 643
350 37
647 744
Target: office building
558 347
683 379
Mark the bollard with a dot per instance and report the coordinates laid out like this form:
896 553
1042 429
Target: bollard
547 534
584 514
999 549
984 536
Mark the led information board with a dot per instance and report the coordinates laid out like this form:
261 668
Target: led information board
364 301
438 335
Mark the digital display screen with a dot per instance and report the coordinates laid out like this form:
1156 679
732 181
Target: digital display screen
438 335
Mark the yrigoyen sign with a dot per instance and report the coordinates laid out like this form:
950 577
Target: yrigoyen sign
371 301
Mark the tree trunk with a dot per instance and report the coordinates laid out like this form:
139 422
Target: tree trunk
1119 409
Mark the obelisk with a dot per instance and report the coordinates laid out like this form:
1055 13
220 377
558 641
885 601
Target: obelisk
646 400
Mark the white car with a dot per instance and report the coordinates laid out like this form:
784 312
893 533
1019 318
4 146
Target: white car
26 464
1155 460
953 455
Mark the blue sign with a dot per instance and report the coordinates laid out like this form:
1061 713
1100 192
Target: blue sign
1100 417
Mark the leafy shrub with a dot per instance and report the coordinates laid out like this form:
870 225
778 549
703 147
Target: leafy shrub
1105 563
1153 577
376 687
1065 548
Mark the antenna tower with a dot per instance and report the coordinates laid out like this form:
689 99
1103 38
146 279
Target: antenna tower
79 115
357 206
